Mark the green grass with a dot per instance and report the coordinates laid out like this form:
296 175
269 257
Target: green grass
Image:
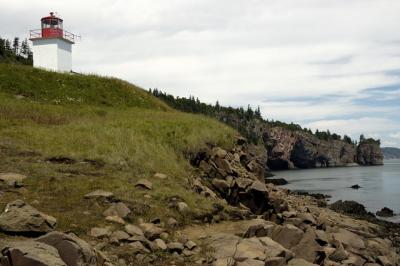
114 122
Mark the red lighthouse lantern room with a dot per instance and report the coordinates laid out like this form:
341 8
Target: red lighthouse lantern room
52 26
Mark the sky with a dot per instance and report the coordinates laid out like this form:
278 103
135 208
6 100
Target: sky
326 64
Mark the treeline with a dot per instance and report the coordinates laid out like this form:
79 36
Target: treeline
245 120
15 51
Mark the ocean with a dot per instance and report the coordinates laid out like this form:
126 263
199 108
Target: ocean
380 184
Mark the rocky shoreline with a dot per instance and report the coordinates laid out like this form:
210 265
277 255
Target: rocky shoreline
264 225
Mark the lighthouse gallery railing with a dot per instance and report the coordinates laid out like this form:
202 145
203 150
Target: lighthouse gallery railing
37 34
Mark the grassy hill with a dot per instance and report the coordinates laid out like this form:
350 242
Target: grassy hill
72 134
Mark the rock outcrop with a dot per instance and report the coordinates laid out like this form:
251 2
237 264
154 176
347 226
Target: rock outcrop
236 176
21 218
369 154
52 249
297 149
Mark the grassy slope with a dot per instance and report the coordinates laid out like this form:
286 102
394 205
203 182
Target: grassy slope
101 119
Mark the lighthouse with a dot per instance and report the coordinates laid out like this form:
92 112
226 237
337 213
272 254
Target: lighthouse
52 45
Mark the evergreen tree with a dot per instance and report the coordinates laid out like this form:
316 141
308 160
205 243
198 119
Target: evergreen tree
7 47
24 51
16 46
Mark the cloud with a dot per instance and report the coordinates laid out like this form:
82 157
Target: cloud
304 61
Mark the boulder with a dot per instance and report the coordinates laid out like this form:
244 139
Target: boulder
159 244
99 232
258 228
349 207
349 239
72 249
175 247
275 261
19 217
190 245
151 231
32 253
224 165
288 235
182 207
133 230
117 209
218 152
250 262
115 219
274 249
11 180
137 247
224 246
220 184
300 262
250 248
172 222
356 186
255 198
118 236
308 247
276 181
144 183
385 212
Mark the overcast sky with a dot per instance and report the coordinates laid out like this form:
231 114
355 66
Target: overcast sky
327 64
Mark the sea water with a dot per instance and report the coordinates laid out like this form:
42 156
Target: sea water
380 184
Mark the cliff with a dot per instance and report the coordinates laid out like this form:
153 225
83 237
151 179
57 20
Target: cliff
287 146
287 150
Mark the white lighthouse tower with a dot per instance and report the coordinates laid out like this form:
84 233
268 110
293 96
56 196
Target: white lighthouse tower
52 45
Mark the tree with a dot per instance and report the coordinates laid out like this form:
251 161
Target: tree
347 139
24 48
7 47
16 46
362 138
258 112
2 43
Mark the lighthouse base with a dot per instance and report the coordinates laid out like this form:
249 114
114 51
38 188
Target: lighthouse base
52 54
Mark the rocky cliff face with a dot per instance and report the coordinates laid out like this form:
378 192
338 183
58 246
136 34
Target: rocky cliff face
288 150
369 154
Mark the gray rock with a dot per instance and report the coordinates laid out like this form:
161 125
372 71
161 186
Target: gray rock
250 262
172 222
190 245
137 247
19 217
349 239
118 236
117 209
133 230
144 183
182 206
11 180
99 194
115 219
32 253
275 261
151 231
175 247
72 249
100 232
288 235
300 262
160 244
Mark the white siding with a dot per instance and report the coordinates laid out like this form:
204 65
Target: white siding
52 54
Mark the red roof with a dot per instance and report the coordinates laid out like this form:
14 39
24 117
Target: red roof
51 17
